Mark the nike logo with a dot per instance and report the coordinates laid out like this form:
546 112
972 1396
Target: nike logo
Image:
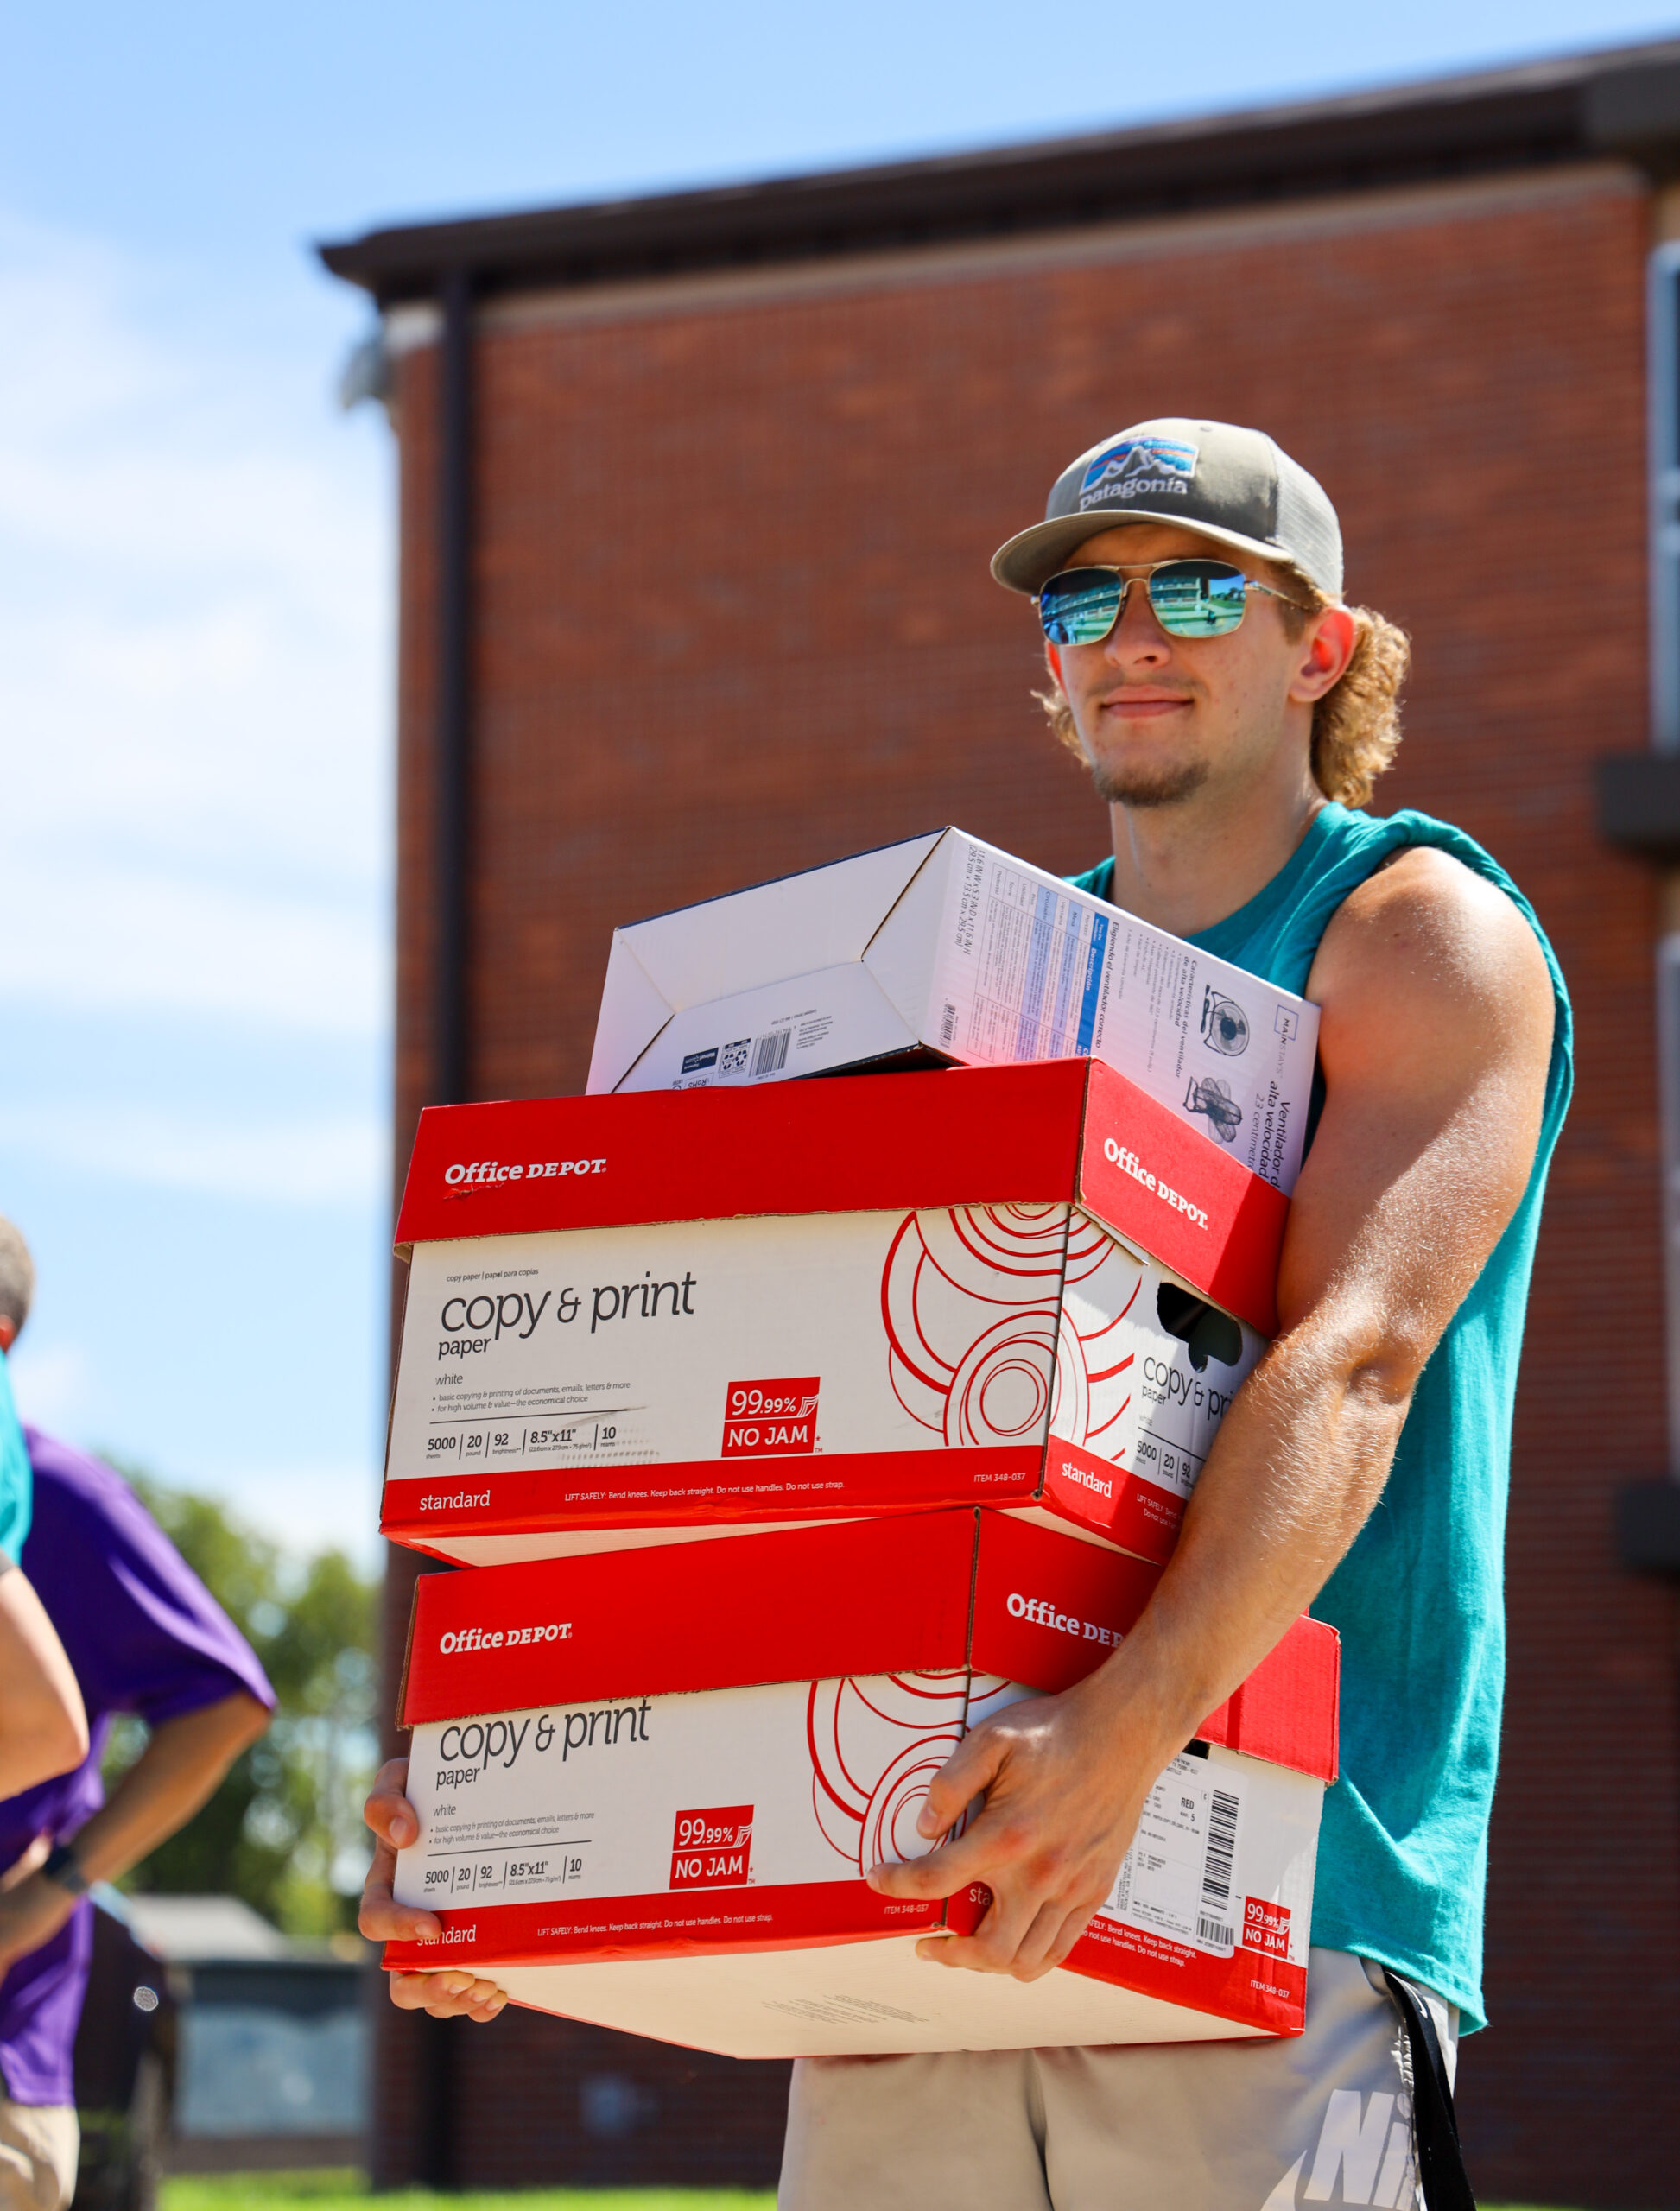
1363 2146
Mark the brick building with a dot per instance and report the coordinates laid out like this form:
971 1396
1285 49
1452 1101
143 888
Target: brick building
697 498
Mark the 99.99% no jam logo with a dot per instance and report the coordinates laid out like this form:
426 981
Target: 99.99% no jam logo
713 1849
765 1420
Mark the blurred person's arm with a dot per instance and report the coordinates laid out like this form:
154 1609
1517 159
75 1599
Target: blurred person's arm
180 1766
448 1994
43 1727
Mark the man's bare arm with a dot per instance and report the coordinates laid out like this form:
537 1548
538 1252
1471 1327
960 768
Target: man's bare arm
182 1764
44 1728
1437 1016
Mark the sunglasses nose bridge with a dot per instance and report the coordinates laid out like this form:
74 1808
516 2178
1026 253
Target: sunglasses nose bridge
1146 600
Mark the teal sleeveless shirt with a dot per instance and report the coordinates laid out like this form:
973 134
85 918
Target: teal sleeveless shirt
1419 1598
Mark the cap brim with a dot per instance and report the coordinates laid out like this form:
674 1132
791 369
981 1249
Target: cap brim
1028 561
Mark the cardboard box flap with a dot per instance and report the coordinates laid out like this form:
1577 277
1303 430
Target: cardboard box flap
904 952
770 1027
1286 1712
863 1597
1156 1183
634 1009
792 926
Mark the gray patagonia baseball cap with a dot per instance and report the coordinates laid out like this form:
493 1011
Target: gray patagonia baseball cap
1234 485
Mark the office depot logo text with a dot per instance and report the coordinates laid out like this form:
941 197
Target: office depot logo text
484 1638
479 1172
1041 1613
1129 1163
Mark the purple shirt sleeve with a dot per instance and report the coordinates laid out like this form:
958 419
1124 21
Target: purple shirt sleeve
144 1636
142 1631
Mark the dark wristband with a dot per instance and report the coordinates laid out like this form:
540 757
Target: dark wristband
61 1867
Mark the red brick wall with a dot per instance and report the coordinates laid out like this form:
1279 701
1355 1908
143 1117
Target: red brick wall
734 617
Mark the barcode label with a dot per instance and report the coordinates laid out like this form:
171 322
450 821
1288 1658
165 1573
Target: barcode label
1215 1932
771 1057
1221 1850
948 1022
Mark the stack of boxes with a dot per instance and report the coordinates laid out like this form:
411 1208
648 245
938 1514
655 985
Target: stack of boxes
790 1429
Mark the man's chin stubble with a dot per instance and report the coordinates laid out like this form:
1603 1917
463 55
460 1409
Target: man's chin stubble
1141 787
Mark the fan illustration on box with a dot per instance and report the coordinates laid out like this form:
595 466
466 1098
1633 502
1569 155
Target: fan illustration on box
1004 1321
875 1744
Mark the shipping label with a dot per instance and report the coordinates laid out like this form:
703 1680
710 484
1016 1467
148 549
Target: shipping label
1224 1857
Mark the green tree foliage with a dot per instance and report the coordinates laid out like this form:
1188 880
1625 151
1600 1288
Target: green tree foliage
283 1831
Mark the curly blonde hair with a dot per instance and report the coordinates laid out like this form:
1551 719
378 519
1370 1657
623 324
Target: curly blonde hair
1356 724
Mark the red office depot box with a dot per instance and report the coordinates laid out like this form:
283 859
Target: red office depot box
649 1783
634 1318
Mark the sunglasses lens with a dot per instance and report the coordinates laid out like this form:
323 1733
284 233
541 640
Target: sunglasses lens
1078 607
1198 598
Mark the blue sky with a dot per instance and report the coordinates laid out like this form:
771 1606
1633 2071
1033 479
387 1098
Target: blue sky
196 589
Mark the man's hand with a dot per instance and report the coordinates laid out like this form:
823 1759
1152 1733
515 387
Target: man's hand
1064 1779
449 1994
31 1911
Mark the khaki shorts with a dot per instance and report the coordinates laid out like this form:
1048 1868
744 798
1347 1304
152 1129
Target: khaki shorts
1324 2117
39 2145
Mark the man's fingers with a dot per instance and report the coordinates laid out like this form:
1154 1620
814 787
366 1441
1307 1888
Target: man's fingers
1012 1939
1073 1926
449 1995
382 1919
387 1810
1049 1936
940 1873
967 1773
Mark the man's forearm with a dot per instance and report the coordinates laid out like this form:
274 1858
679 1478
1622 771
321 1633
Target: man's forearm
1293 1475
178 1769
180 1766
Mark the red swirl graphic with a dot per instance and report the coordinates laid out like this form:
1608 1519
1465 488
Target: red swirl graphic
875 1744
1003 1323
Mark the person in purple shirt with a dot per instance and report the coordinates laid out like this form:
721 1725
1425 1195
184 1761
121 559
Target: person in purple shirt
143 1636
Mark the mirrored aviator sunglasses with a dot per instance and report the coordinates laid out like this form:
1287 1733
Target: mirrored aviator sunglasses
1189 598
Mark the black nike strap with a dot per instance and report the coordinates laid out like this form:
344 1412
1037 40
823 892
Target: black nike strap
1446 2184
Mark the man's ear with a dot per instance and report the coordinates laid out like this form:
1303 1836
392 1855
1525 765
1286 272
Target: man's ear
8 1333
1327 646
1053 661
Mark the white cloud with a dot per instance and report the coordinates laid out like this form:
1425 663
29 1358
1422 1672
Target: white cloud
308 1506
341 1160
110 938
50 1382
194 659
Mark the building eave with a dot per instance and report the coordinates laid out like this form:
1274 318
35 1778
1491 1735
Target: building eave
1572 108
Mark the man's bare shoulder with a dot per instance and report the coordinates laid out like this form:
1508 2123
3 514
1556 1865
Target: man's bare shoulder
1428 954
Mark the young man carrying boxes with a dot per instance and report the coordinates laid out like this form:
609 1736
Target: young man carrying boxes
1234 713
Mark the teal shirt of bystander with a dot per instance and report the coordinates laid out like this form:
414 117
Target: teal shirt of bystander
16 1491
1419 1598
